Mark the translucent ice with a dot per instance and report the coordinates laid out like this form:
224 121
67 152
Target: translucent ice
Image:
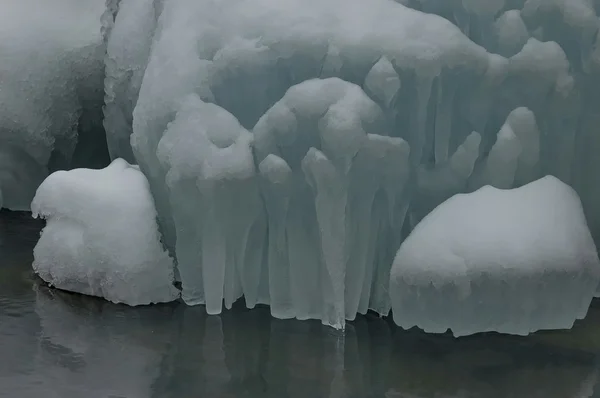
446 179
322 173
101 236
287 141
214 194
512 261
500 166
342 157
511 33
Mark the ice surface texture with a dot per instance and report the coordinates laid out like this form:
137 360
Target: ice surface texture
101 236
50 93
290 145
512 261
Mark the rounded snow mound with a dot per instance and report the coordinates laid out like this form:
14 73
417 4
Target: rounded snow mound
101 236
511 261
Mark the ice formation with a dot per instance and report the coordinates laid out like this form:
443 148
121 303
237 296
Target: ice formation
291 145
101 236
512 261
331 179
50 93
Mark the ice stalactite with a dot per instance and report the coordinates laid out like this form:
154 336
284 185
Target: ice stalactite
435 185
277 186
212 169
377 194
346 129
443 118
323 163
500 166
522 122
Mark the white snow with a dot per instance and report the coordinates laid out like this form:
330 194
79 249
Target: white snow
50 73
101 236
512 261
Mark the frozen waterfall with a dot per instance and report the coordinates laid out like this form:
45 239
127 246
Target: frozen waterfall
291 146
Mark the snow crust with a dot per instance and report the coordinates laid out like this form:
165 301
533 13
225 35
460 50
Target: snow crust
291 145
512 261
101 236
50 93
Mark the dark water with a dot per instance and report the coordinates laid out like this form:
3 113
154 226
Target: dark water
55 344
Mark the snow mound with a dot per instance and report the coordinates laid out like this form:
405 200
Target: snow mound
512 261
101 236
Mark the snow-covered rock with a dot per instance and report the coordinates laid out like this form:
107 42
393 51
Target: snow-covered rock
101 236
512 261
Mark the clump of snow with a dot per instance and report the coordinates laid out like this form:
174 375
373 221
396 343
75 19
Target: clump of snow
512 261
101 236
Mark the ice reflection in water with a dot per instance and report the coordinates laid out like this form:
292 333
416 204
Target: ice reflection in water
56 344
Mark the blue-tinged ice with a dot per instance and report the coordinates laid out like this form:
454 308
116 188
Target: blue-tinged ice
292 145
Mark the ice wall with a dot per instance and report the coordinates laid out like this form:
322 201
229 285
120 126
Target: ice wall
553 48
50 93
359 117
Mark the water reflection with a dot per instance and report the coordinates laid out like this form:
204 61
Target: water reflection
65 345
92 348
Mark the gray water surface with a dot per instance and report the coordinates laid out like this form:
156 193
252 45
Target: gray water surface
57 344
